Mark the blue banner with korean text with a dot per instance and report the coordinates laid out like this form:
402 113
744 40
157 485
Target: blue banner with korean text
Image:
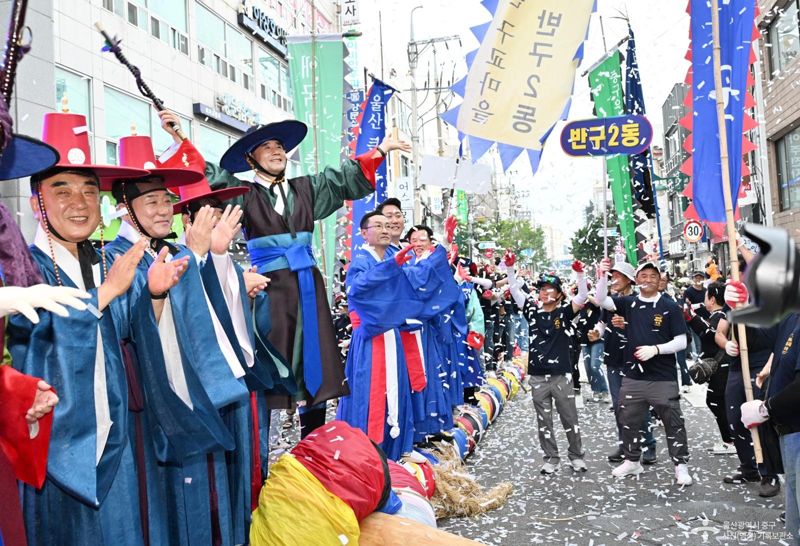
607 136
735 35
371 130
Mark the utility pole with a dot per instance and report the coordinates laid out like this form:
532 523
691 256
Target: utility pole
413 59
438 96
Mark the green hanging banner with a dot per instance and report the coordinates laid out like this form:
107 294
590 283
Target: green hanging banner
605 82
316 70
462 207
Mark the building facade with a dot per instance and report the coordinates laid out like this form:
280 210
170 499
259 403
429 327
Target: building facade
780 66
221 65
682 257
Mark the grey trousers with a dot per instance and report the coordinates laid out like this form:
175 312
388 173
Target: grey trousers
635 398
547 389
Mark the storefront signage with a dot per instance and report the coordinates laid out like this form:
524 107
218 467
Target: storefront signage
228 111
262 26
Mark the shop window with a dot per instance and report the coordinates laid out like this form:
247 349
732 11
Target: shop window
232 51
77 90
788 155
783 37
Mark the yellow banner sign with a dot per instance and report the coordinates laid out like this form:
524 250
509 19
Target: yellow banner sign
523 72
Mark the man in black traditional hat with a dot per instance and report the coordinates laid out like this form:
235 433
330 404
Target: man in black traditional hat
278 223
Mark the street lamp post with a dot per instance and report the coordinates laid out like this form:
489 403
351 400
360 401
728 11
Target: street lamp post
413 57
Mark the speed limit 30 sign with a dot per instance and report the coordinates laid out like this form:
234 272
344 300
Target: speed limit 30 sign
693 231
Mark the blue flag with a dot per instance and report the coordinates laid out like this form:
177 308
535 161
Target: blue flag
371 132
639 164
736 29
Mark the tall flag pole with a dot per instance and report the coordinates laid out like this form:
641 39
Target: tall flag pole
605 82
641 165
634 104
731 44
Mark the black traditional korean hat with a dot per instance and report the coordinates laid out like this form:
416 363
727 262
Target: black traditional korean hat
290 133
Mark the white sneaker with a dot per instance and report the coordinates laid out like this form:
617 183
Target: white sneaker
578 465
723 449
605 398
579 401
682 476
628 468
549 468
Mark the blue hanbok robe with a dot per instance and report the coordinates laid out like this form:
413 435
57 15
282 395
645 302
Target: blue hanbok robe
87 498
198 492
451 333
380 299
432 407
260 362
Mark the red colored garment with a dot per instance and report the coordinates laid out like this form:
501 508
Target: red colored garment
369 164
21 458
414 360
185 157
376 416
28 457
402 478
344 460
12 528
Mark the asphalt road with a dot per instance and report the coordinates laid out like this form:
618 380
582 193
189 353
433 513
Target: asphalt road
594 508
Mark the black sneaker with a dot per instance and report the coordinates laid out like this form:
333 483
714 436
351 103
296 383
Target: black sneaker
740 478
769 487
616 456
649 455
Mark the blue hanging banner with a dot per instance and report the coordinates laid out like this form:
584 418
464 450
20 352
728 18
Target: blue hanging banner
607 136
371 130
735 37
640 164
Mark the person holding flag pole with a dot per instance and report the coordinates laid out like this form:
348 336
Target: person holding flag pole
729 220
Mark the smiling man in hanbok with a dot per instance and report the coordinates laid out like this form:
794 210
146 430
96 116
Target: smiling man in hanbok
380 299
90 494
278 222
204 377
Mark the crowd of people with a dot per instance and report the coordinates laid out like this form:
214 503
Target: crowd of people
142 414
654 339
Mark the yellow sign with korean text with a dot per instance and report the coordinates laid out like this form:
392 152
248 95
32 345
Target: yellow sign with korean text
522 75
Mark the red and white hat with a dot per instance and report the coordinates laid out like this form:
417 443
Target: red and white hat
189 156
137 152
69 134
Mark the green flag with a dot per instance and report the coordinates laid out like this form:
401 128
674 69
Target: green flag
316 68
605 82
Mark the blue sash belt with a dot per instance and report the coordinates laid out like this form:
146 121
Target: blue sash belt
275 252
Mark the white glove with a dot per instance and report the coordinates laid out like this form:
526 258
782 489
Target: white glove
754 413
732 348
735 294
645 352
583 289
15 299
601 328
